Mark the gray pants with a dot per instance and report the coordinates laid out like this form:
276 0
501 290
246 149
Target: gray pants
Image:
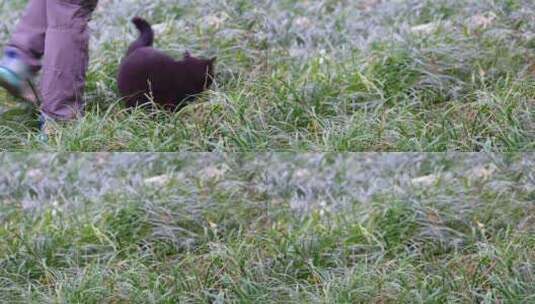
53 35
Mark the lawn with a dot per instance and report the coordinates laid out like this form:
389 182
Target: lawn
267 228
325 75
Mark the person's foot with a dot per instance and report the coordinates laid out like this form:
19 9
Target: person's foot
15 77
50 127
46 127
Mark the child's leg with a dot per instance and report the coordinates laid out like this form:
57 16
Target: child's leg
66 57
28 39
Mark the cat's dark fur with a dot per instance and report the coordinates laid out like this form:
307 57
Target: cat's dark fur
147 74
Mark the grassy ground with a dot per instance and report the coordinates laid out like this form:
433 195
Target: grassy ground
355 228
367 75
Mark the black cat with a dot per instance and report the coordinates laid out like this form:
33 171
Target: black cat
147 74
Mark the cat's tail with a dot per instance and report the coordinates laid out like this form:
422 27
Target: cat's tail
146 34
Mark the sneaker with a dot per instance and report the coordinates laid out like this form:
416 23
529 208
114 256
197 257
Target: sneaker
45 127
50 127
15 77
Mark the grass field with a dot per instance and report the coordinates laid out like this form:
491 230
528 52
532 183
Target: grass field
260 227
326 75
282 228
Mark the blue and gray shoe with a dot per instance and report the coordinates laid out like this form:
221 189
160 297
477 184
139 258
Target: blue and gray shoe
50 127
45 127
15 77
